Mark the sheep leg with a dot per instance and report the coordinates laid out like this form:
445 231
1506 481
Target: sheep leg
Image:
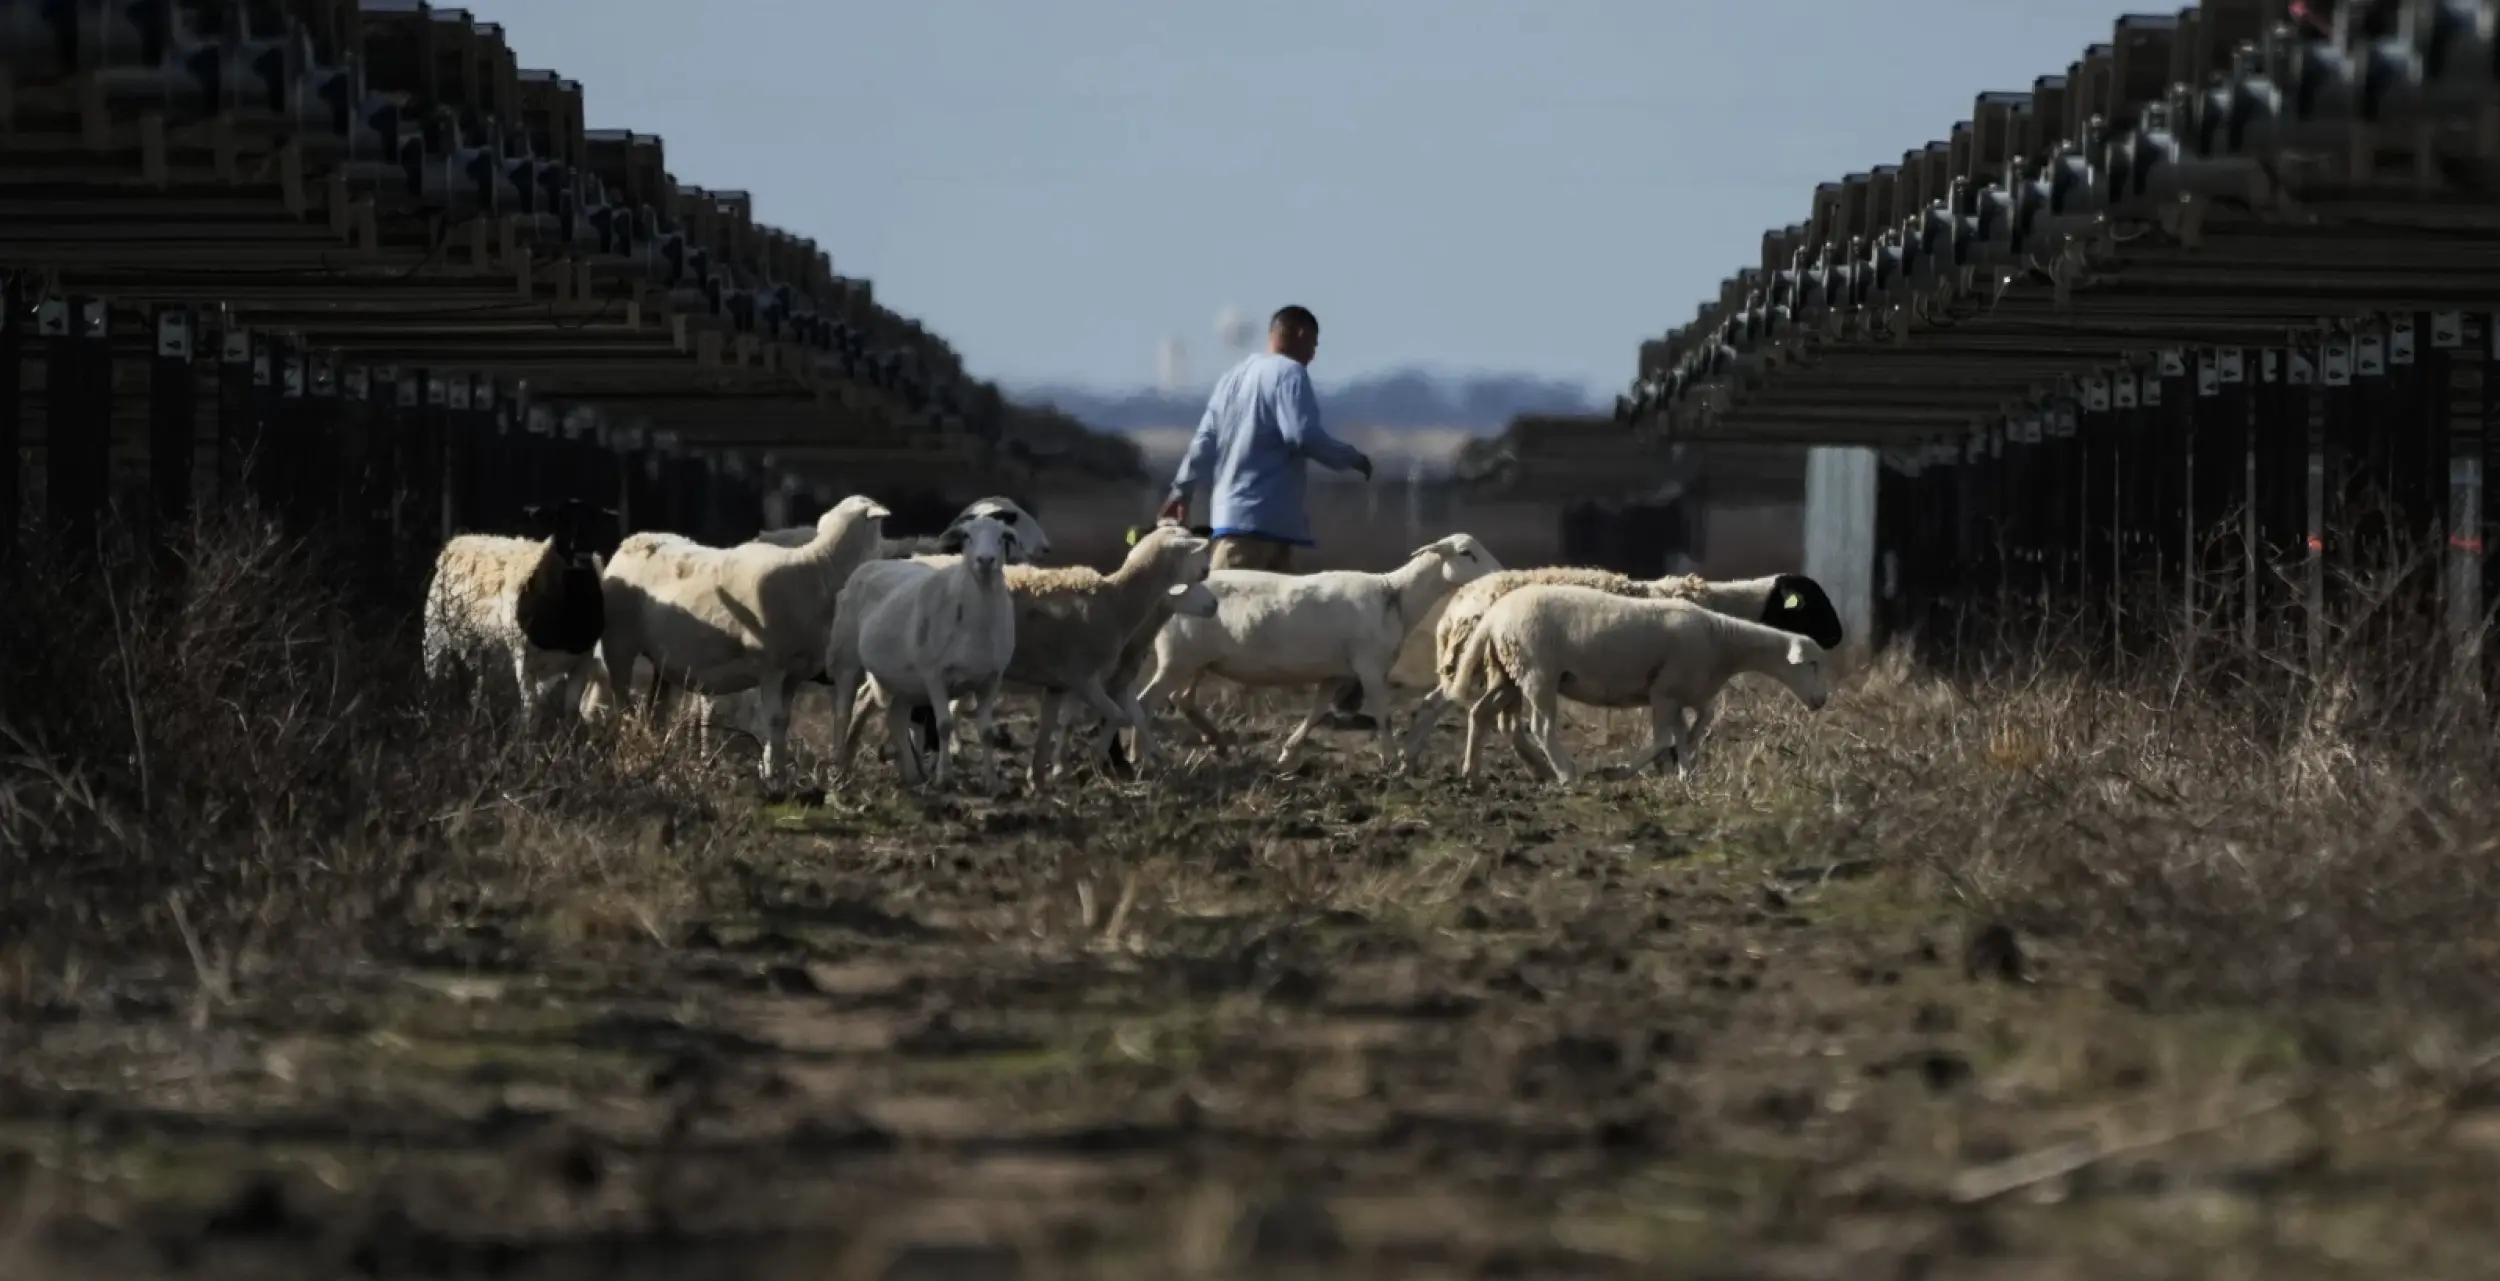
1481 718
1099 701
620 665
965 709
1691 745
1514 722
1427 717
1141 746
985 723
478 681
1666 736
580 677
1323 701
942 726
525 687
1375 704
1541 727
1045 737
704 710
845 693
850 690
898 727
1216 736
663 701
775 692
1163 687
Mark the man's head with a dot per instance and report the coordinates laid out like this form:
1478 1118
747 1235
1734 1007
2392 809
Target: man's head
1293 331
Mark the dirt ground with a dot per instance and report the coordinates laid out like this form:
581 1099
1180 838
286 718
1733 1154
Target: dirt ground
1238 1024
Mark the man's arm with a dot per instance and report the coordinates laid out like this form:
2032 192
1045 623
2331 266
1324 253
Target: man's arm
1200 457
1297 420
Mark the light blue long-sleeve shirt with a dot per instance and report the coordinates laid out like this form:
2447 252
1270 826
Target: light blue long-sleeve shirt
1260 424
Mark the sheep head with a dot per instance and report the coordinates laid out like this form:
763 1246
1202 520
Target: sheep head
1804 673
1184 556
1796 603
1190 600
987 545
1031 542
1462 559
855 521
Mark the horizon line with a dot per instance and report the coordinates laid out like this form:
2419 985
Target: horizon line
1598 392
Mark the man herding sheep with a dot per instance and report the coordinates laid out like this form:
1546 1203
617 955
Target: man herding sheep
1260 426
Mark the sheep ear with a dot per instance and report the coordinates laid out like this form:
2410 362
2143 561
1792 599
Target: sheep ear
951 540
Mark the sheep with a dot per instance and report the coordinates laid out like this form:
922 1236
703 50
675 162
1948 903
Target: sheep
1032 543
742 710
1128 672
926 635
722 619
532 606
1789 602
1544 641
1320 629
1073 623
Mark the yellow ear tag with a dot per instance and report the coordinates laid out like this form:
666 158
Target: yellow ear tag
1790 603
1132 535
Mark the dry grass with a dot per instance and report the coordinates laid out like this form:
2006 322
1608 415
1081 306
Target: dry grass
1751 1015
2190 820
223 756
233 760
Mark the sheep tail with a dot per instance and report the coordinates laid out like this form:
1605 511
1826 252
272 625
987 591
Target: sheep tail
1458 683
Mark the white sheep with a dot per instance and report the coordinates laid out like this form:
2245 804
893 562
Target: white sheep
1789 602
1031 542
743 711
1323 630
1073 623
1543 642
532 608
926 635
717 620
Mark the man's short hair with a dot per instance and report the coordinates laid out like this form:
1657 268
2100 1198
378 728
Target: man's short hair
1293 317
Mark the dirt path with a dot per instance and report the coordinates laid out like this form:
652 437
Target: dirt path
1314 1028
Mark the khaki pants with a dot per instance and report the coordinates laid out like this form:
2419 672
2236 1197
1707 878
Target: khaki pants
1237 551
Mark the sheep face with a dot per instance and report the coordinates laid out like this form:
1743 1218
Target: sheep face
1463 559
1799 605
1031 542
1172 545
1804 674
986 546
1190 600
575 526
560 607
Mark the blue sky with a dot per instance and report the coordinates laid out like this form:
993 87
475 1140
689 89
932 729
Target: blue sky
1457 185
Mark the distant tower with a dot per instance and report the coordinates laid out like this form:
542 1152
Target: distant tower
1232 329
1171 365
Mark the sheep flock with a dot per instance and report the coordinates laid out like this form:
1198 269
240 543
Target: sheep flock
930 633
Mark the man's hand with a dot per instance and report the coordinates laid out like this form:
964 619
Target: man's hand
1175 512
1363 464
